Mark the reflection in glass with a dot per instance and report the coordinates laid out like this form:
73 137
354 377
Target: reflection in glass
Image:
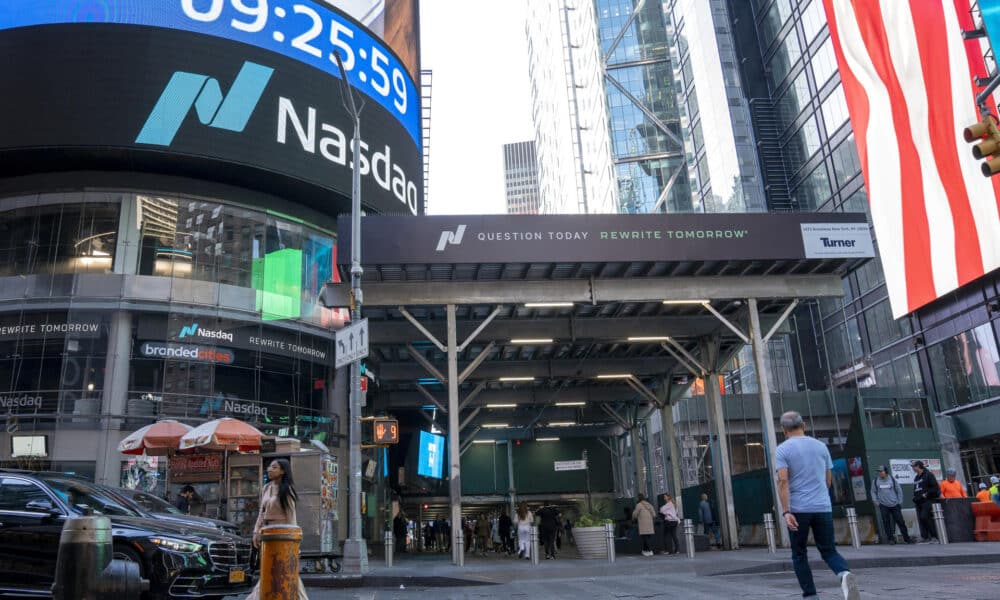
964 368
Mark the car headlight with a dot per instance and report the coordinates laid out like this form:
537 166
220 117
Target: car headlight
176 545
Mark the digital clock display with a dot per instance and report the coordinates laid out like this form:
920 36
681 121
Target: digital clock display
303 30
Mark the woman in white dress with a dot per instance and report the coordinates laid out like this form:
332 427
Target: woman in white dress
524 521
277 507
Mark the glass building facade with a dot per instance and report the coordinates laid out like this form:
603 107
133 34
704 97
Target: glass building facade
721 106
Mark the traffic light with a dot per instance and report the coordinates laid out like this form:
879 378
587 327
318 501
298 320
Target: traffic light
988 135
386 431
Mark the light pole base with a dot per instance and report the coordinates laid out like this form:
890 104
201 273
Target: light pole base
355 560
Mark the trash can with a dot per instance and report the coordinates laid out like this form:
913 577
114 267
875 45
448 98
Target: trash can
958 519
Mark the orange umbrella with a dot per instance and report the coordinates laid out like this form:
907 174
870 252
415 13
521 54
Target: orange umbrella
160 438
223 434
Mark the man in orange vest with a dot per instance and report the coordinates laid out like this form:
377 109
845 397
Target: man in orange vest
984 493
951 488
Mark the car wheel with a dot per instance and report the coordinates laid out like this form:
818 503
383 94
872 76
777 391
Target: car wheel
128 554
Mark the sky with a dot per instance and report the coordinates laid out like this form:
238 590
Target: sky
480 99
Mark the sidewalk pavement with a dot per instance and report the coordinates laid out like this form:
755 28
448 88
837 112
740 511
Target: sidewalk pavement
436 570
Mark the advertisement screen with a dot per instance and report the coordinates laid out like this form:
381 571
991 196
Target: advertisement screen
236 90
431 455
395 21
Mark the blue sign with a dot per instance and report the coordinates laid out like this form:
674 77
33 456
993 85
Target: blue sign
990 10
431 455
304 31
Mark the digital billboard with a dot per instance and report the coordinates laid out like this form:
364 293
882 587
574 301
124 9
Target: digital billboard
430 455
239 91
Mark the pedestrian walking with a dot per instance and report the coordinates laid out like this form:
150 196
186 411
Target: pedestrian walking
670 521
184 499
503 528
524 522
888 494
399 527
926 489
482 533
644 515
804 476
709 526
277 507
950 487
547 527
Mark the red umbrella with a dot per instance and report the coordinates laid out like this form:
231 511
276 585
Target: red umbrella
223 434
160 438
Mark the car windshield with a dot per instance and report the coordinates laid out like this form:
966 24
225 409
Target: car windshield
81 495
153 503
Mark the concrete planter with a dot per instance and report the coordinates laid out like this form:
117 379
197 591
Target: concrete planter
591 542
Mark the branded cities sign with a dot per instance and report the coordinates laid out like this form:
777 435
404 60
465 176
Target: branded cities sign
172 351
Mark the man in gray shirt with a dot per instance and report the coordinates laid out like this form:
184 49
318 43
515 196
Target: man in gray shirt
804 476
888 494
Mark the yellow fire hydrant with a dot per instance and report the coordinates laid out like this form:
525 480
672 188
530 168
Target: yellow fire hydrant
279 562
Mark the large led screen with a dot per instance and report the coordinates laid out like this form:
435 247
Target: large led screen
246 92
431 455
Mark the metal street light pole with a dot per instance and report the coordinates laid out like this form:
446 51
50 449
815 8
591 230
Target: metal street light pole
355 549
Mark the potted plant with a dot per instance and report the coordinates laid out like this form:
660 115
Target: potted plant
589 533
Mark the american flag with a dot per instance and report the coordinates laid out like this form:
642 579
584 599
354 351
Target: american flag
908 77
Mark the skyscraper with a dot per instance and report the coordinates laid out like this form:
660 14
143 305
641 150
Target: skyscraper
520 176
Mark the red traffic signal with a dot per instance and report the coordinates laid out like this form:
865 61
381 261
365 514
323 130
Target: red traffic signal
989 144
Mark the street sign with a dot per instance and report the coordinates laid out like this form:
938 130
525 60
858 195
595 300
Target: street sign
570 465
386 431
352 343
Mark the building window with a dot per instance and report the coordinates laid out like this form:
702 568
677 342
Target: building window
965 368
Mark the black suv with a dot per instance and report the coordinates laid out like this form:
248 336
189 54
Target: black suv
180 561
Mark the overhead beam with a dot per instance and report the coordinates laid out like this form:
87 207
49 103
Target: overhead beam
649 289
579 328
542 369
527 396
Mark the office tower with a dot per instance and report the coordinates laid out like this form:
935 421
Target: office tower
520 177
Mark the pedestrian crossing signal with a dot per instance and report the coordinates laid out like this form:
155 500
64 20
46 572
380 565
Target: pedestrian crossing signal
386 431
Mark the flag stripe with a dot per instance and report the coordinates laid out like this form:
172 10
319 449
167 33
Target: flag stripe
931 39
916 234
866 98
968 54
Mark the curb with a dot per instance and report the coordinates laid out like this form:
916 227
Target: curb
870 563
387 581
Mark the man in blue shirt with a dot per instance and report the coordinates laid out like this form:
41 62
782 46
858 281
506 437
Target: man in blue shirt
804 476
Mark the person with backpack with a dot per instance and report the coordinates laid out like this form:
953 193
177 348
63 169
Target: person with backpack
888 495
926 489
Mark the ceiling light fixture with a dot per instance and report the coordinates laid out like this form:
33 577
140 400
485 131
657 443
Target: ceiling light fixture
547 304
615 376
649 338
496 425
686 301
484 441
532 341
571 403
501 406
548 439
562 423
517 379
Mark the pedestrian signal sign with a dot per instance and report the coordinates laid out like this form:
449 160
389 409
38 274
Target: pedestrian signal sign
386 431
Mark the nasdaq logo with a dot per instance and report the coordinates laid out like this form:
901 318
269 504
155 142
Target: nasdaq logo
451 237
188 330
193 330
184 90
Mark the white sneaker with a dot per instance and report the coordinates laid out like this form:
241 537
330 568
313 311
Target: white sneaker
849 585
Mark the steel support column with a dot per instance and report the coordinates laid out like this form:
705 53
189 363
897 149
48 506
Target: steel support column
672 452
723 473
639 459
454 435
766 410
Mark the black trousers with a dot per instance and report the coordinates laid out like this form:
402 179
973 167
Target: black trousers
549 539
892 517
925 520
647 539
670 543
